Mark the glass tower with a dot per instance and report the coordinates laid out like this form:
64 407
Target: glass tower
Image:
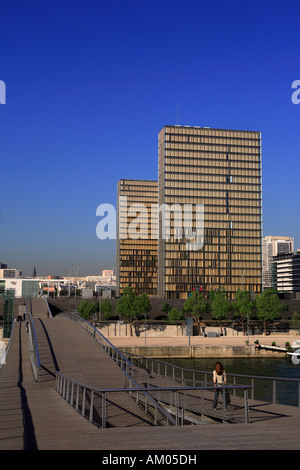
219 170
137 236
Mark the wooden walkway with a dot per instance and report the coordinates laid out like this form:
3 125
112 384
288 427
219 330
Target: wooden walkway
34 416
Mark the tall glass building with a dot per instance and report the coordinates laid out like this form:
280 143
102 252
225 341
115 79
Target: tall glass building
219 171
137 236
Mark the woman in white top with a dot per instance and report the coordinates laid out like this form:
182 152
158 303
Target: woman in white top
219 378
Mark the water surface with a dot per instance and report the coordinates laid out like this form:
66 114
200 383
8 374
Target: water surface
287 392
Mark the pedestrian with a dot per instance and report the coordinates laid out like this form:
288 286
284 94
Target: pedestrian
219 378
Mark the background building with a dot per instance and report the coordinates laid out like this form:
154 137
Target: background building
21 287
220 169
137 252
10 273
273 246
286 273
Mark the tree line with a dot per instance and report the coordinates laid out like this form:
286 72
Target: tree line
266 307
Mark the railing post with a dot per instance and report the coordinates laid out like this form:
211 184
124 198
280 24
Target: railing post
83 403
68 390
77 398
91 406
274 391
246 406
176 407
103 410
72 393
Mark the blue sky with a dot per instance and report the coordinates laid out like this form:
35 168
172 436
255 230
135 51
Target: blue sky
89 84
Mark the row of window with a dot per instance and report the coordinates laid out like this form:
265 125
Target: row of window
219 151
207 139
206 168
208 131
198 179
246 247
252 286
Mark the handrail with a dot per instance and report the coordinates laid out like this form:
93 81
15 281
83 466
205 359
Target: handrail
85 324
48 307
65 386
243 376
34 350
82 321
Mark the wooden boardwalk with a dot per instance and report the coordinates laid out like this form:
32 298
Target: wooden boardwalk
34 416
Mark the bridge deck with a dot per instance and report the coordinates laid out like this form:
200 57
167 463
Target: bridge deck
34 416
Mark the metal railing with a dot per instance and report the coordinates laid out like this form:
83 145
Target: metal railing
119 358
48 306
139 407
145 380
33 344
195 377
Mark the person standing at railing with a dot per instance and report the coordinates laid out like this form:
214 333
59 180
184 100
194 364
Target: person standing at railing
219 378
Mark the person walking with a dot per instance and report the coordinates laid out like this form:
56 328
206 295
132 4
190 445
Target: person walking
219 378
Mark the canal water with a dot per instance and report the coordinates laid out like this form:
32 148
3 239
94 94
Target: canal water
287 392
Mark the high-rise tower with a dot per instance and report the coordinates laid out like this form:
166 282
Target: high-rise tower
220 171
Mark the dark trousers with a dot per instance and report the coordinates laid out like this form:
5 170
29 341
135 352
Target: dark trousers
216 398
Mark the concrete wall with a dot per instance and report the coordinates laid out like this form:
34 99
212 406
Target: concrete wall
193 352
112 329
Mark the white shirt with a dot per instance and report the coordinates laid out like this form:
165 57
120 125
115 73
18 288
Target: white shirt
219 379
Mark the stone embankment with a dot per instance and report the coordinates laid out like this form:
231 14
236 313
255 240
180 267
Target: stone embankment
199 346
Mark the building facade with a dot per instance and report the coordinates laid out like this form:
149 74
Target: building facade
220 172
286 272
137 236
273 246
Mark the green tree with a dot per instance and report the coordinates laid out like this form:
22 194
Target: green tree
243 307
166 308
268 307
220 307
106 309
196 305
86 308
143 304
129 307
174 315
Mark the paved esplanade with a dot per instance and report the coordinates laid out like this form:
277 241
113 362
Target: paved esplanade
34 416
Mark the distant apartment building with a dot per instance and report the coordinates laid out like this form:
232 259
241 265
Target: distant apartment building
21 287
9 273
220 171
273 246
286 272
137 236
107 273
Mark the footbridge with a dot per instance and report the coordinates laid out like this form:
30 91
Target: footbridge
65 386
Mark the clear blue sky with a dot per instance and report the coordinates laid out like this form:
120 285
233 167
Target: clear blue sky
91 83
